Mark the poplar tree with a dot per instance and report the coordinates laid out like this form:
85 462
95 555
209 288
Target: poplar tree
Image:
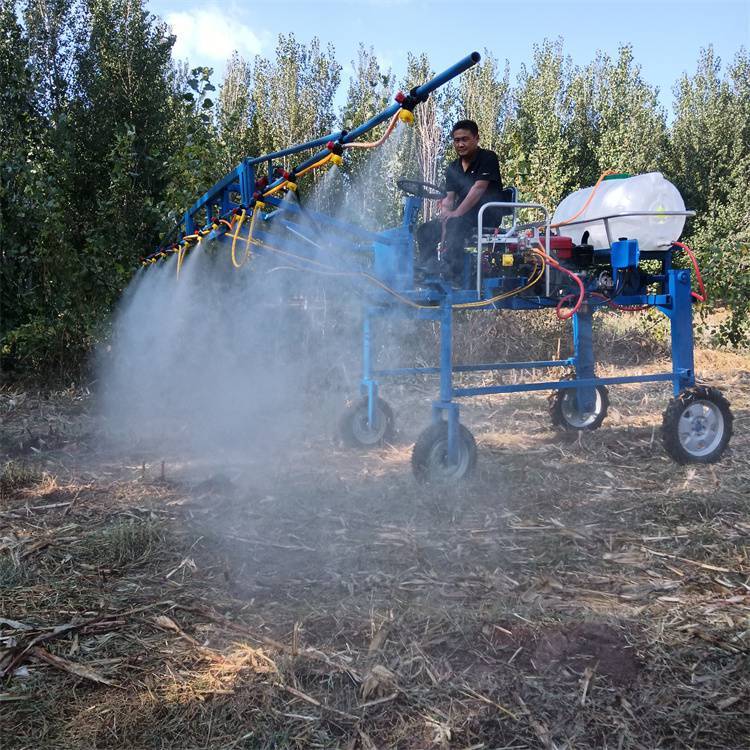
629 124
369 92
424 145
719 163
20 124
484 96
235 113
536 136
294 92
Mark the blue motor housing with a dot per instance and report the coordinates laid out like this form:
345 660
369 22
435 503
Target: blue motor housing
625 254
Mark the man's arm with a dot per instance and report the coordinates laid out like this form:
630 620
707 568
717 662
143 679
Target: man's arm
472 198
447 203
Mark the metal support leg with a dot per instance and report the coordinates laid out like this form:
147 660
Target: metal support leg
681 320
446 380
369 386
583 344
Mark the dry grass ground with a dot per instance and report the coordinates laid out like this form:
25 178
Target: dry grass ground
578 593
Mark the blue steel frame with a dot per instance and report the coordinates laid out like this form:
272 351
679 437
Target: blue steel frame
392 251
676 305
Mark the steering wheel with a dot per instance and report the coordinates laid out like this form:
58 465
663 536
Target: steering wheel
421 189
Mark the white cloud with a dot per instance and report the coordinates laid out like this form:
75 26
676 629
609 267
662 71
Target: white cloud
208 36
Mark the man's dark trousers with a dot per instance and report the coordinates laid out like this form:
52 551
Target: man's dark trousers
458 232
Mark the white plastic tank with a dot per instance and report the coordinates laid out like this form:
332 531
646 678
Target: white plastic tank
644 192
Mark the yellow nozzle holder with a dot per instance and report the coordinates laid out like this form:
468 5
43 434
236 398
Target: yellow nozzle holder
291 186
507 259
337 160
406 116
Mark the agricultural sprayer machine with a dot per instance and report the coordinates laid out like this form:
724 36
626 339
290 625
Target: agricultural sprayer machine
609 246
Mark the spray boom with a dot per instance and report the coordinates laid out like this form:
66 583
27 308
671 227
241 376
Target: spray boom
240 187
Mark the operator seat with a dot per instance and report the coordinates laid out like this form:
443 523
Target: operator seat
507 195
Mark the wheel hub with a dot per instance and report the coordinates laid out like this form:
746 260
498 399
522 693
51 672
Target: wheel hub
701 428
442 467
580 418
368 433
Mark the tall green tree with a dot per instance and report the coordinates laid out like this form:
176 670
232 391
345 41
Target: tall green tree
121 114
235 113
295 92
369 92
711 159
536 137
484 96
56 33
195 162
629 124
20 126
703 135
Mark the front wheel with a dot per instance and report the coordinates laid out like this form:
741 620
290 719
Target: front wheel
697 426
356 431
565 413
429 458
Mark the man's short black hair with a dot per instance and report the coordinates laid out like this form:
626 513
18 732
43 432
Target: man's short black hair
469 125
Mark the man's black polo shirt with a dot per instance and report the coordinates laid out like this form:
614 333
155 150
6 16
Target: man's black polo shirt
484 166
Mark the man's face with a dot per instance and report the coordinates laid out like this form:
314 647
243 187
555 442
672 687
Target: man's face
465 143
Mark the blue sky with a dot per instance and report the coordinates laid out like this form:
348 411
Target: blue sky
666 35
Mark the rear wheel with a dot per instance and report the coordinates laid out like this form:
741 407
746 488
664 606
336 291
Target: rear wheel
697 426
429 458
356 432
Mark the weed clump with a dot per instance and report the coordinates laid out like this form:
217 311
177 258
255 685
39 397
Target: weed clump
14 475
124 542
13 572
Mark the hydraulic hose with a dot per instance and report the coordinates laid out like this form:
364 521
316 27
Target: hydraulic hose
325 269
380 141
236 235
588 200
700 296
581 288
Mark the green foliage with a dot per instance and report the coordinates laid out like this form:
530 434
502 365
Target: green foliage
484 96
19 121
235 114
105 142
294 92
629 126
709 161
537 140
195 162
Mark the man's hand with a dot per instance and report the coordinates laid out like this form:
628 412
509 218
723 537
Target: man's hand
445 215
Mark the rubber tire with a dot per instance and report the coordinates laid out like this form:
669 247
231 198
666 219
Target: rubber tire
671 419
558 417
430 442
351 433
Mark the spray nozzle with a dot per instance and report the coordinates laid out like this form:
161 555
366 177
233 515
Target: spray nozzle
262 183
337 152
281 172
409 101
406 116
